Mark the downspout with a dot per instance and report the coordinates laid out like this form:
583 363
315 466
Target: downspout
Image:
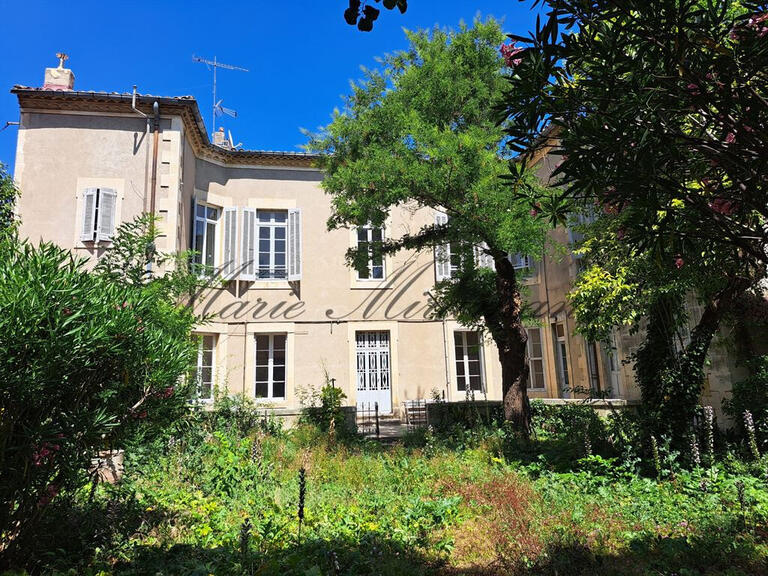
146 145
151 248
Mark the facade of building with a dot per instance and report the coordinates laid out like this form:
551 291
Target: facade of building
286 311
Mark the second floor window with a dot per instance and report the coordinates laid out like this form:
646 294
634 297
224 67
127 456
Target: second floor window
99 214
369 241
204 241
273 230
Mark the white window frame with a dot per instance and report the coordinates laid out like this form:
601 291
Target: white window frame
369 235
521 261
273 270
270 382
593 366
200 367
465 360
200 256
531 359
561 358
94 228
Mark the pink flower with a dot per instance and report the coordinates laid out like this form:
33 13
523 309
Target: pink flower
679 262
168 392
534 212
730 138
620 233
510 53
722 206
693 89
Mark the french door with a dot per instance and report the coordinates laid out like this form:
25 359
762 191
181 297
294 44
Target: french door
373 370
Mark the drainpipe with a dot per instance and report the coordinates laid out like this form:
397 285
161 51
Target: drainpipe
146 145
151 248
156 111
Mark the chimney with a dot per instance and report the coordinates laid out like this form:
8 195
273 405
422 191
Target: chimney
220 139
59 78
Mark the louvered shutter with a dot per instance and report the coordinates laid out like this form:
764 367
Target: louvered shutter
294 245
88 232
107 208
442 252
248 244
482 258
521 261
230 243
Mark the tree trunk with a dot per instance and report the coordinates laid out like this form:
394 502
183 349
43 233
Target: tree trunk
511 342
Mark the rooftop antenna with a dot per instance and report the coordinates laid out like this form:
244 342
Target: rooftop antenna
217 108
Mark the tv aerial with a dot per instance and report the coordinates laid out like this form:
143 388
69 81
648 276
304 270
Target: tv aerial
218 109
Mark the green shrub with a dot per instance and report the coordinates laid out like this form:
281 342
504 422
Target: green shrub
751 394
89 359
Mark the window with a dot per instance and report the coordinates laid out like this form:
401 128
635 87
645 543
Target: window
451 257
271 245
561 357
535 359
270 366
593 367
521 261
468 361
204 240
99 207
204 370
369 241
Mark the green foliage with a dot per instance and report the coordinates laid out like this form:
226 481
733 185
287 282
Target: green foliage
373 510
90 360
324 409
362 14
8 195
751 394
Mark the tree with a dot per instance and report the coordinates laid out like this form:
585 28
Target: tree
423 131
659 110
362 14
8 195
89 359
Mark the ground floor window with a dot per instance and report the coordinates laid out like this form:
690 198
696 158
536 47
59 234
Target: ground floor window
270 366
561 357
469 373
593 364
535 359
204 370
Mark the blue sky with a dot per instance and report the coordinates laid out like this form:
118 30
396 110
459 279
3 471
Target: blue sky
301 54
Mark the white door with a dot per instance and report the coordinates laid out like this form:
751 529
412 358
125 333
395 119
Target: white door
373 376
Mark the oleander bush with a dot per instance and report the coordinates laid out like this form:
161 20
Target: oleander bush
90 360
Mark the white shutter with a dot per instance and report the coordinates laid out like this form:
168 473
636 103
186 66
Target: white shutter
294 245
442 252
107 208
521 261
230 242
89 215
482 258
248 244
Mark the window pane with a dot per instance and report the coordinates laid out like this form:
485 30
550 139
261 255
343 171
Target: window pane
280 246
278 373
213 213
262 357
200 211
378 272
278 390
280 232
279 357
472 338
261 390
281 216
376 234
262 373
362 235
474 368
475 383
262 342
210 244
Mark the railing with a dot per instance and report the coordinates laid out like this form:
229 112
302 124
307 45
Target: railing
415 414
368 418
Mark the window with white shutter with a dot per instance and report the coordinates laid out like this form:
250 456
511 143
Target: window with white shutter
229 266
204 238
370 240
248 245
442 252
106 203
294 245
99 214
89 215
482 258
